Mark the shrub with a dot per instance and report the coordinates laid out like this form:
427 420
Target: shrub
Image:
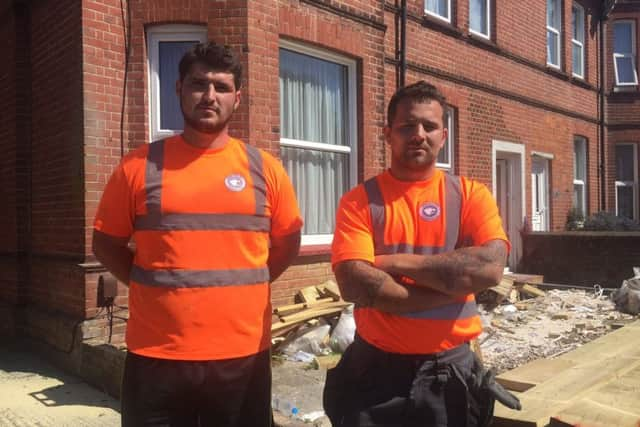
575 220
607 221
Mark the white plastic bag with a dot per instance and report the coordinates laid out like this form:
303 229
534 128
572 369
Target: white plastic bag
312 341
344 332
627 298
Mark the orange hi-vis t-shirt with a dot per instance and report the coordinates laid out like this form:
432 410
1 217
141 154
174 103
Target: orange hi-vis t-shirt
201 221
385 216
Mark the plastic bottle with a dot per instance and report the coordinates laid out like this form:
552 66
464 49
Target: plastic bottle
284 406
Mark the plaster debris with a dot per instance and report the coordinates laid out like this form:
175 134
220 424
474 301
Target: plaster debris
545 326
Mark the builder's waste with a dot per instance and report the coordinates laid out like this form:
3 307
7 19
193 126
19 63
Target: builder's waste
523 318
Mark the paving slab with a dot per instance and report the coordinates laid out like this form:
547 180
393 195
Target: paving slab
35 393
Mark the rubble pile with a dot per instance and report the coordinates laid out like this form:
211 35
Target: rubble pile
517 332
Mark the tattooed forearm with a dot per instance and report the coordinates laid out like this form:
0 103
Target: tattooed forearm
359 282
458 272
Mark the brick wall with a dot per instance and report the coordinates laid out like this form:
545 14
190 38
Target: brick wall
503 90
582 258
623 103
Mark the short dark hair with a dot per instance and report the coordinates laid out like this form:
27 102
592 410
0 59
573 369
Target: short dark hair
419 91
218 57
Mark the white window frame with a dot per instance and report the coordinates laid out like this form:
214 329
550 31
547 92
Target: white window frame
436 15
633 184
155 35
631 54
488 18
558 32
582 141
450 139
352 149
578 44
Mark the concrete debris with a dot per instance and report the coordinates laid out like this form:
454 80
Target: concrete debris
545 326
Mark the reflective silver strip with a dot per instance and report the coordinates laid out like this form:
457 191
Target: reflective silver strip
203 222
452 208
199 278
155 220
378 216
460 310
153 176
257 176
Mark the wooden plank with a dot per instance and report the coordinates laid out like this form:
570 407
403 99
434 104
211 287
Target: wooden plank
316 311
533 373
308 294
288 309
530 290
535 413
329 289
326 362
590 413
520 279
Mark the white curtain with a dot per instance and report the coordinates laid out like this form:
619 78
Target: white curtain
438 7
313 108
170 54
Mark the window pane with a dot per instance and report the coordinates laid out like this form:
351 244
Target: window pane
439 7
625 67
313 99
170 55
478 16
625 201
622 36
624 163
443 155
580 159
577 23
552 48
578 198
553 14
320 179
577 60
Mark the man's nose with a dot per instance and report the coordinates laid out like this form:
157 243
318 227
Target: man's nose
210 92
420 132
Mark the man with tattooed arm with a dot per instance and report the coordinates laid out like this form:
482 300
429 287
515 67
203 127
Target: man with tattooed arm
411 248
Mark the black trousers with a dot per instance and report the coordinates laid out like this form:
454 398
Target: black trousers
220 393
370 387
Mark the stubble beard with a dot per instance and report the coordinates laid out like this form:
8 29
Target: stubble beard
204 126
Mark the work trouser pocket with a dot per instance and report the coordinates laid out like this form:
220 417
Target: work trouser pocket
480 402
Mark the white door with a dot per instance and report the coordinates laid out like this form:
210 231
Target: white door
509 203
539 194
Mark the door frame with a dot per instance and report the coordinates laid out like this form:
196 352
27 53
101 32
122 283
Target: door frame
515 154
547 158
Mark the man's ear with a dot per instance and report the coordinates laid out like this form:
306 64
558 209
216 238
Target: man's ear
387 134
237 103
178 88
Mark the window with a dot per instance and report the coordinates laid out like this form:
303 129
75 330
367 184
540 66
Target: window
626 181
624 53
554 20
577 40
165 46
318 133
580 175
439 8
445 156
479 17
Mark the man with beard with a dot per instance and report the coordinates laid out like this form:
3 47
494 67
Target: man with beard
214 220
411 247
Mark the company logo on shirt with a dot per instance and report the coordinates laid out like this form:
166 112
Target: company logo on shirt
429 211
235 182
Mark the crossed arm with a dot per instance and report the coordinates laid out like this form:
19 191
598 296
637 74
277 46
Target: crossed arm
439 279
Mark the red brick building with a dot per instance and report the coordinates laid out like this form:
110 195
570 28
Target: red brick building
535 112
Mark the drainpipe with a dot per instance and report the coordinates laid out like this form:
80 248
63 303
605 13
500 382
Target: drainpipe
601 129
403 42
607 7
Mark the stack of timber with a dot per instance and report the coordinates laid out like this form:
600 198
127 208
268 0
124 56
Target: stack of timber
596 385
317 301
512 288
